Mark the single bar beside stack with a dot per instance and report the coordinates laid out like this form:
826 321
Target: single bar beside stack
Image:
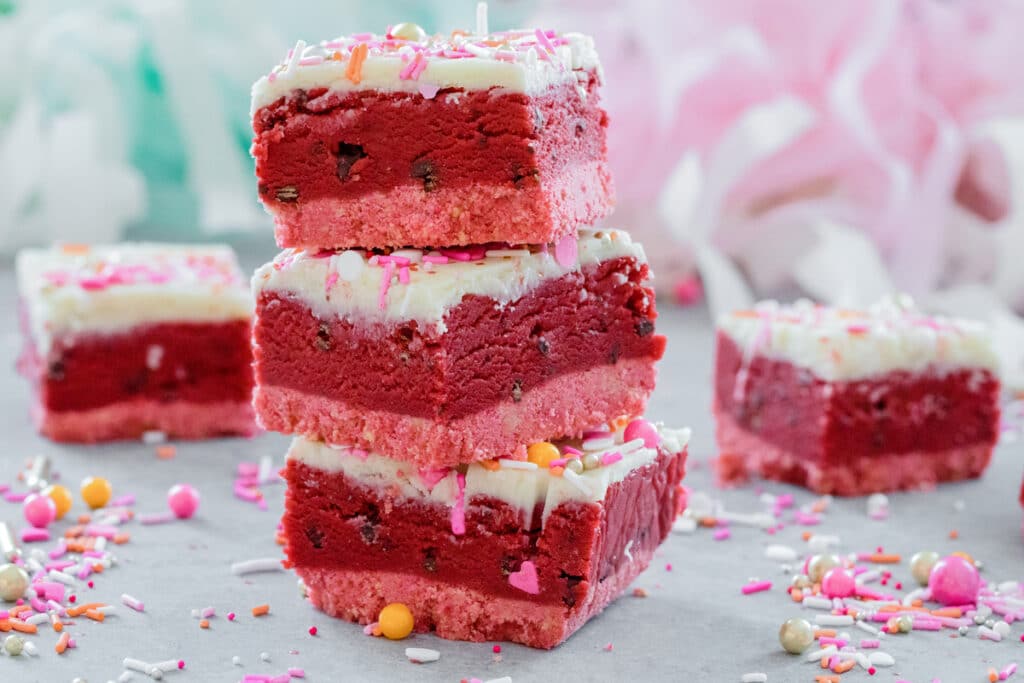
463 360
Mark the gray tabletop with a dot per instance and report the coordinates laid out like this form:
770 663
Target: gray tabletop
693 624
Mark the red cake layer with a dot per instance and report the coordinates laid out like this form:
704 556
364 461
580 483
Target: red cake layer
810 424
360 548
487 353
132 376
367 168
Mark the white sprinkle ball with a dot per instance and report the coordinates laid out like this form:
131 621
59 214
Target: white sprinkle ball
236 660
265 656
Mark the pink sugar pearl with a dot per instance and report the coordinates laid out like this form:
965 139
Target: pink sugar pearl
184 500
39 510
954 581
642 429
837 583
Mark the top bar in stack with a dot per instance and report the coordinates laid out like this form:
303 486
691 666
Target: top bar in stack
405 139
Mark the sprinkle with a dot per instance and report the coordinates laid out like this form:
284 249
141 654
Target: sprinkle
754 678
481 19
263 564
204 623
577 481
62 643
312 630
231 616
611 458
542 38
354 72
756 587
421 655
296 672
518 464
722 534
34 535
134 603
458 517
260 610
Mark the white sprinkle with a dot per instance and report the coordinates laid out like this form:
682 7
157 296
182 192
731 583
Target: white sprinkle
265 656
815 602
985 633
134 603
266 470
599 443
577 481
833 620
481 19
107 610
38 618
136 665
236 660
349 265
263 564
881 659
517 464
195 614
757 519
422 655
863 660
60 576
154 354
501 253
503 679
877 503
818 655
683 525
866 627
1002 628
297 51
1008 587
630 446
626 552
125 677
153 437
780 553
30 648
821 542
754 678
166 665
155 673
869 576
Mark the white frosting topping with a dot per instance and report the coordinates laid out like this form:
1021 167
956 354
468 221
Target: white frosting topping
69 290
410 284
520 484
525 61
840 344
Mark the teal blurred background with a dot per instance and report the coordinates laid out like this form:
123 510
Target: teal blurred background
131 117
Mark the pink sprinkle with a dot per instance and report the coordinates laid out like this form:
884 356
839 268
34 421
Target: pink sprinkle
566 251
431 476
156 518
459 508
756 587
231 616
33 535
838 642
312 630
311 61
668 567
435 258
869 644
542 38
403 275
611 458
571 451
368 629
12 497
608 647
408 72
526 578
296 672
807 519
385 284
104 530
1010 669
181 664
332 279
558 463
496 649
722 534
122 501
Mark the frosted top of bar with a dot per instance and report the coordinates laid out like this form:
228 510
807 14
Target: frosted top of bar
78 289
839 344
422 285
519 483
404 59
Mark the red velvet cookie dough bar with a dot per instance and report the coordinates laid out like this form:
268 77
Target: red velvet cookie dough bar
452 356
501 550
381 140
130 338
854 402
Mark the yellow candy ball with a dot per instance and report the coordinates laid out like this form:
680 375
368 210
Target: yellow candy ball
408 31
542 453
395 621
96 492
61 497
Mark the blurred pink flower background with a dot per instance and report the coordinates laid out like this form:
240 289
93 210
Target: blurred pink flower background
847 148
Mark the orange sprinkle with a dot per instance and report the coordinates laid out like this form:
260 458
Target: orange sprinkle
74 248
166 452
744 314
57 624
280 539
954 534
901 608
709 522
375 631
796 594
917 603
122 538
205 623
951 612
95 615
97 568
5 625
993 675
819 506
492 465
21 627
336 56
354 72
806 535
260 610
824 661
826 679
825 633
75 531
556 471
843 667
62 643
882 558
18 609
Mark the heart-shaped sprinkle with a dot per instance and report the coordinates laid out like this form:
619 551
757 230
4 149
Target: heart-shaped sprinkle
525 579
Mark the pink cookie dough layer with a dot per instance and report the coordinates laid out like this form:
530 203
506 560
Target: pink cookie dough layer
458 613
131 419
897 430
743 454
564 405
371 169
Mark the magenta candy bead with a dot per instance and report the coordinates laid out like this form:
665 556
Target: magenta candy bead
837 583
954 581
184 500
642 429
39 510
